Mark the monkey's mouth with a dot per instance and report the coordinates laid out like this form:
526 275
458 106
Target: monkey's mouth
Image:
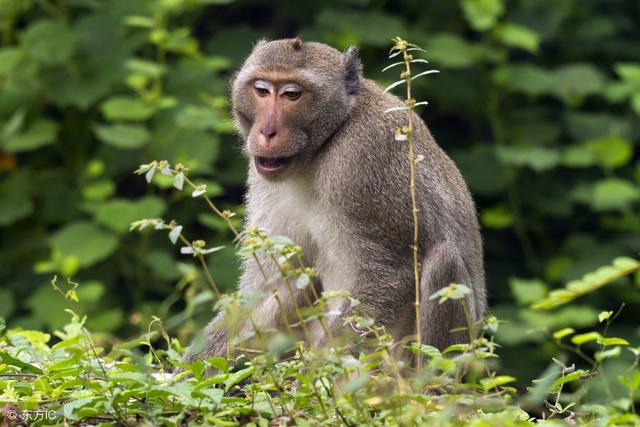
271 165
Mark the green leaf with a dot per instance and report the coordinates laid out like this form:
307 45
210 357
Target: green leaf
576 81
629 72
611 151
527 291
86 241
613 341
195 117
49 42
566 379
558 335
482 14
536 157
518 36
8 303
491 383
451 51
585 338
13 207
578 157
496 217
590 282
604 315
126 108
238 376
529 79
118 214
123 135
614 194
41 132
8 60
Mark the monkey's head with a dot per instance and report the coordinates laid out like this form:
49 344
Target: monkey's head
289 97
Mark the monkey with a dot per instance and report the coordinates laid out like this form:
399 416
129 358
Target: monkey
325 170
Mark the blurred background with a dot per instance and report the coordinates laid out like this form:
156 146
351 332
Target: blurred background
537 101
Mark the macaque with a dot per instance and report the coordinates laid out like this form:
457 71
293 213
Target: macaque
326 171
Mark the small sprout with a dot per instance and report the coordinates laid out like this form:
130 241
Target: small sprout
165 168
399 135
453 291
228 214
303 281
175 234
151 172
605 315
199 190
142 169
419 158
178 181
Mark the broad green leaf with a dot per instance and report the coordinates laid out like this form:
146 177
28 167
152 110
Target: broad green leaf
578 156
8 303
517 36
8 60
41 132
527 291
13 207
491 383
123 135
49 42
496 217
629 72
575 81
614 194
611 151
558 335
537 158
86 241
238 376
118 214
585 338
613 341
566 379
451 51
196 117
126 108
529 79
482 14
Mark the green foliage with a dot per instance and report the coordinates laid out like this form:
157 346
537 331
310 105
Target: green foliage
538 103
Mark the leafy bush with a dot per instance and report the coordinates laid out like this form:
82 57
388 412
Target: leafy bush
538 103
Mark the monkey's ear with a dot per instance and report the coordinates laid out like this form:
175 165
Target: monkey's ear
352 69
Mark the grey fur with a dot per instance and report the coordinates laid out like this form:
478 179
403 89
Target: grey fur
345 200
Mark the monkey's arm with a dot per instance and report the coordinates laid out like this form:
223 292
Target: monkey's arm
274 301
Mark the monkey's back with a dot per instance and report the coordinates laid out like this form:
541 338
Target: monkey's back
373 162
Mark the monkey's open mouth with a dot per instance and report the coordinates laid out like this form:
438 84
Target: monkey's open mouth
271 165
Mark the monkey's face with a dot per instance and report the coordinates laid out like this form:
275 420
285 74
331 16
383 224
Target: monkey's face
277 126
288 99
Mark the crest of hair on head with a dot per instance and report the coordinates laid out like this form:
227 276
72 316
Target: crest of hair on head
296 43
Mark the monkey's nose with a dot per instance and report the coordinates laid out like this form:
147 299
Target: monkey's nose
268 132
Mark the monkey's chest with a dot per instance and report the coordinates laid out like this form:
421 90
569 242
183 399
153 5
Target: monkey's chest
306 219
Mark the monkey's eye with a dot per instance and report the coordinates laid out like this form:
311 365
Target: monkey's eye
292 94
262 91
262 88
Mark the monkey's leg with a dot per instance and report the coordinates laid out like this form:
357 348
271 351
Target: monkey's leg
444 265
